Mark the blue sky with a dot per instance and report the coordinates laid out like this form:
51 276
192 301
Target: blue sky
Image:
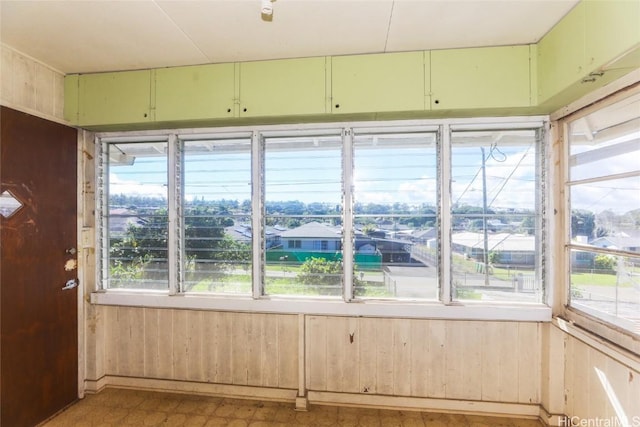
383 174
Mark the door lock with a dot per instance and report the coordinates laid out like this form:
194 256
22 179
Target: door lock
72 283
71 251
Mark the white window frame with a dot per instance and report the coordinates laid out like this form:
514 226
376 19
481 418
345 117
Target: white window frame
257 302
584 318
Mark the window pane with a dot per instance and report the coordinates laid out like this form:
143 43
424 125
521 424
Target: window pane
217 216
137 218
604 149
495 254
607 286
396 193
303 195
606 142
606 209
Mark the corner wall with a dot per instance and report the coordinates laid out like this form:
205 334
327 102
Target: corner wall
601 383
30 86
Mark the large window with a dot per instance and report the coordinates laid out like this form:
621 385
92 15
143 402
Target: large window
496 192
395 221
216 216
302 216
604 207
413 211
135 215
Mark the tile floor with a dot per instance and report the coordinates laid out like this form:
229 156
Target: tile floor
119 407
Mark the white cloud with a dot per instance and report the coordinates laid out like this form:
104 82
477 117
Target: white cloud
137 188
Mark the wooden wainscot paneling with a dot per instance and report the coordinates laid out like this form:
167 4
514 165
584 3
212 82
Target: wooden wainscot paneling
249 349
467 360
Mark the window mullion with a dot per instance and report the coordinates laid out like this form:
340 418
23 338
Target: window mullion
102 209
444 254
176 230
347 214
257 214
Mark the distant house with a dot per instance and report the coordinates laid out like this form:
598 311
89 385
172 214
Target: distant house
313 236
423 236
242 233
120 219
513 249
622 241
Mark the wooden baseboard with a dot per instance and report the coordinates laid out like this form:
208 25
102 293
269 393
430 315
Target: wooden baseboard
189 387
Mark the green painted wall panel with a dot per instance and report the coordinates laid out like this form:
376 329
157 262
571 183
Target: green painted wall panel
490 77
71 94
377 83
115 98
193 93
282 87
561 54
613 29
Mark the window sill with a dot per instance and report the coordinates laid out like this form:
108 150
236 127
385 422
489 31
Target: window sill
370 308
592 322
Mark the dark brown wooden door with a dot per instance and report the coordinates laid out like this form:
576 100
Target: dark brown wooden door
39 331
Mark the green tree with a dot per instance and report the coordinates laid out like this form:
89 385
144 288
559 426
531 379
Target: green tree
582 223
321 273
604 262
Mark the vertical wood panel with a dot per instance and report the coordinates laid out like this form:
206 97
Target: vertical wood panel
633 392
437 359
24 77
529 362
110 340
151 343
600 402
239 356
464 360
58 96
351 371
94 339
6 76
384 356
224 348
123 341
472 363
402 357
194 350
165 344
136 336
44 89
269 352
491 359
179 344
336 336
455 344
569 372
316 353
420 342
255 345
579 357
513 347
367 355
288 351
209 345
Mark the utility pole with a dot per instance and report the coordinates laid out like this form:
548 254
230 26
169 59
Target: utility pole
484 219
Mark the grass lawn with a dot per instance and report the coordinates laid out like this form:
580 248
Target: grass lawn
595 279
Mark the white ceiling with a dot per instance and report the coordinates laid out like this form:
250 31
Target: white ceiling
92 36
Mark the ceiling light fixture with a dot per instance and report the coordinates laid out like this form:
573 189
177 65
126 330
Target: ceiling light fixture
267 7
